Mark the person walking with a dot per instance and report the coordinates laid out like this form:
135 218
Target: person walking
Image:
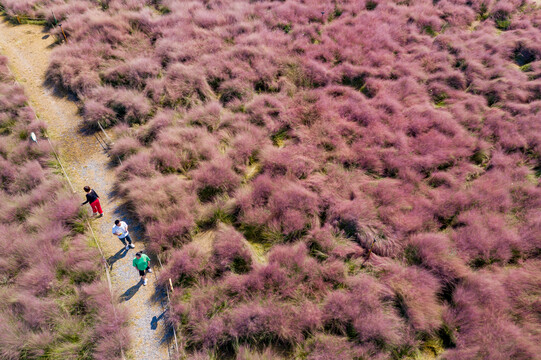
94 200
120 229
142 264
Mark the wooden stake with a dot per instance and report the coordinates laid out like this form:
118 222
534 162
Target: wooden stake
369 251
18 19
65 38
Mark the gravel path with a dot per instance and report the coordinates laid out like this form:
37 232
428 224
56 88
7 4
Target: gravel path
28 49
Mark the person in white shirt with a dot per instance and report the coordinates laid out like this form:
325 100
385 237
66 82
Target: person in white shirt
121 230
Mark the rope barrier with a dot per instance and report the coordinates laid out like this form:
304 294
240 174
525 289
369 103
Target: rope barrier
60 163
107 136
110 140
21 17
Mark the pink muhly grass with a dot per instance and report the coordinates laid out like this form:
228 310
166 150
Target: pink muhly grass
480 299
425 142
314 278
127 105
329 347
125 146
182 85
294 206
209 116
110 333
322 242
215 177
264 279
416 297
343 311
71 72
150 130
167 223
24 151
434 252
8 173
182 148
138 165
39 279
484 238
245 145
132 73
262 322
186 266
264 110
230 251
95 112
286 161
29 177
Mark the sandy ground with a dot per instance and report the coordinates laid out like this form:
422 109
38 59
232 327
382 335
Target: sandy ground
28 49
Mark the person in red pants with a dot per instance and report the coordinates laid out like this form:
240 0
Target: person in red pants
94 200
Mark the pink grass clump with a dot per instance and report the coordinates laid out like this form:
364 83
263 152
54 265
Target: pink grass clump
214 177
230 251
416 293
360 313
480 299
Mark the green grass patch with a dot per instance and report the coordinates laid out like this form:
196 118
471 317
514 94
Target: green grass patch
284 27
219 215
483 13
428 30
6 126
526 68
207 193
296 75
480 158
503 24
371 5
279 138
336 13
252 171
260 234
439 99
23 134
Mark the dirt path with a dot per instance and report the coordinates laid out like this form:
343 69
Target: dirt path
28 49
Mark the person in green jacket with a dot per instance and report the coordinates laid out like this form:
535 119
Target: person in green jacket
142 264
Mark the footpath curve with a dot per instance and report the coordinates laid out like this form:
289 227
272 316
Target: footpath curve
28 49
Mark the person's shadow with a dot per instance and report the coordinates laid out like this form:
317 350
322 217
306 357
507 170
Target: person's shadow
154 322
119 255
130 292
